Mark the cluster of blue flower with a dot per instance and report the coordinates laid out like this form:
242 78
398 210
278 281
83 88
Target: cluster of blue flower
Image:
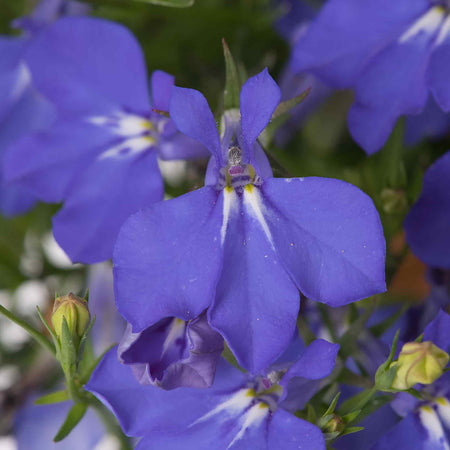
226 262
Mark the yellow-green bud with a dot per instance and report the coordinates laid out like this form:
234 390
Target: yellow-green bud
419 362
75 310
336 424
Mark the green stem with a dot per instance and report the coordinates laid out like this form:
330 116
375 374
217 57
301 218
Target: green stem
29 329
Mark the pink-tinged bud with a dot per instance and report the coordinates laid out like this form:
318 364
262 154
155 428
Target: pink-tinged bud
419 362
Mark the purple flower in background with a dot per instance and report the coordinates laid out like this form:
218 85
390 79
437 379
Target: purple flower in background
393 53
237 412
100 157
22 108
244 244
36 425
425 424
428 223
173 353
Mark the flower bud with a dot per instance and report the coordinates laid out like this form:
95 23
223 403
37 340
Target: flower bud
75 310
419 362
335 424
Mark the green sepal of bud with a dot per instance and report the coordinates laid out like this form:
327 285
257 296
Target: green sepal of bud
418 362
75 311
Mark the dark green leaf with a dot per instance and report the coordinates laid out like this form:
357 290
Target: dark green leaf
286 106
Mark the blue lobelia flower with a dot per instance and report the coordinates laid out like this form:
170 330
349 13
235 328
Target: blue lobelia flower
425 424
100 157
173 353
22 108
237 412
392 53
245 243
428 223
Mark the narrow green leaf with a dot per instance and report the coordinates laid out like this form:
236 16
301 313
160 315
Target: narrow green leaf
83 340
333 404
357 402
170 3
86 295
380 328
54 397
35 334
74 416
232 81
286 106
68 352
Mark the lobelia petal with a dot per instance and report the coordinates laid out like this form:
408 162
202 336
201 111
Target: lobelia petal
150 411
438 331
428 222
300 382
162 84
316 362
395 82
183 233
439 68
421 430
256 303
181 146
328 235
370 127
87 64
191 114
259 98
15 77
348 33
101 199
287 432
31 112
173 353
37 162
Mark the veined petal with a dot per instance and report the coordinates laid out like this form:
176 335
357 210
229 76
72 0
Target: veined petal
329 237
259 98
86 64
347 34
256 303
192 116
162 84
427 224
183 233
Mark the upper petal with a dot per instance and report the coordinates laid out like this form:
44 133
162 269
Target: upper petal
287 432
162 84
192 116
256 303
348 33
101 199
428 222
329 237
259 98
167 259
84 63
